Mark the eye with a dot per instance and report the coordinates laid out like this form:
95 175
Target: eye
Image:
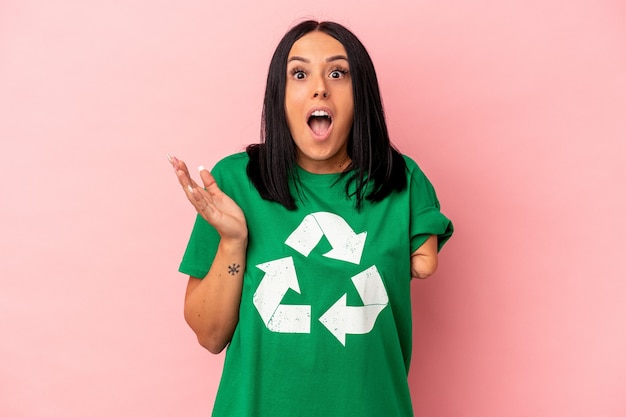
298 74
338 73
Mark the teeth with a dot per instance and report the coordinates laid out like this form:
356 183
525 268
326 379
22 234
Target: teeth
320 113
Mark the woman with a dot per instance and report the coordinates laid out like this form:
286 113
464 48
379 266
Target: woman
303 249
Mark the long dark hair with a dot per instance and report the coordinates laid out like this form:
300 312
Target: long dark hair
377 168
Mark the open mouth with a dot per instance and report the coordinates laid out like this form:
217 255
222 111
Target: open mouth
320 122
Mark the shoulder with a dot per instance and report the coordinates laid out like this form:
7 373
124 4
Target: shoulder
412 168
416 177
231 169
233 161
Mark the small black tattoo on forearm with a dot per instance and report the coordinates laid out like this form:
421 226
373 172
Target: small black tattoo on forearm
233 269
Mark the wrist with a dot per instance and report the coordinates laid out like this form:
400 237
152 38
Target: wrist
233 244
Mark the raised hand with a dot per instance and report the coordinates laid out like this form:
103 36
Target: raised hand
218 209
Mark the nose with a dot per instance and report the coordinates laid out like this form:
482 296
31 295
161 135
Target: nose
319 88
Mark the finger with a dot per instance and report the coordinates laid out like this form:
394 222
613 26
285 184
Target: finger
205 196
182 173
195 193
199 198
210 187
176 163
202 201
180 165
208 180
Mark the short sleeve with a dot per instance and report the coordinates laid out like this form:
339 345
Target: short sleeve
426 216
201 249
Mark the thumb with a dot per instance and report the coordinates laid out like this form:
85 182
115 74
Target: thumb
208 180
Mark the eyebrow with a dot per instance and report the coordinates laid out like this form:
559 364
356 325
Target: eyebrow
329 59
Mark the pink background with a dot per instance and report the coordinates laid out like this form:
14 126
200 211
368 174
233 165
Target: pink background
515 109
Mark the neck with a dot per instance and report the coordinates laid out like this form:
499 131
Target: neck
334 166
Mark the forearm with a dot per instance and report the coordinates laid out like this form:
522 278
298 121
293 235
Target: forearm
212 304
423 266
424 260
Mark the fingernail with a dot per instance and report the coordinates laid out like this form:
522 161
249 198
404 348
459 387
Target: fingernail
190 188
201 168
169 158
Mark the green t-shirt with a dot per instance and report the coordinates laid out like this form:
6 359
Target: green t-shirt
325 317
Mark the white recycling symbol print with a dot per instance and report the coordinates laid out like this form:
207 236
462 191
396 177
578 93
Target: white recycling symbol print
280 276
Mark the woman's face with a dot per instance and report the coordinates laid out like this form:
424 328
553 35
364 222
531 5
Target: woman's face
318 102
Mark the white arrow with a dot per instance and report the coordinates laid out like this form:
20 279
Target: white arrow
346 244
370 286
280 276
306 236
341 319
